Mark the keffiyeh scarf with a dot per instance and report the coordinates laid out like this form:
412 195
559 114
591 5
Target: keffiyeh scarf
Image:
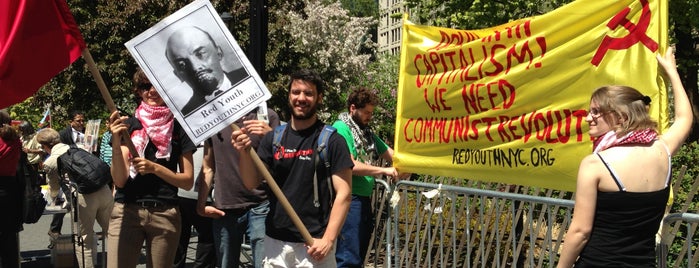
610 139
157 124
363 140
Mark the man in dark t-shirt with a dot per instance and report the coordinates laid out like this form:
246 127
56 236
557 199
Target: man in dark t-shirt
320 203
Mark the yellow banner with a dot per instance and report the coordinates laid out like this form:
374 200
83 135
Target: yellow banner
508 103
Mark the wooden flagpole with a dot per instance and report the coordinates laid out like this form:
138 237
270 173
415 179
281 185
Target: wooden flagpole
105 94
279 194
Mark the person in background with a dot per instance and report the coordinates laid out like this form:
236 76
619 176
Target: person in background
30 146
11 192
146 204
72 134
91 206
323 208
105 151
236 210
624 185
205 252
368 151
75 132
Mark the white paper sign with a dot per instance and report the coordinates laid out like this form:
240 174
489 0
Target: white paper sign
198 68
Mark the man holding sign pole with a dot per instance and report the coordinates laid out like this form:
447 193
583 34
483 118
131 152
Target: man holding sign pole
321 203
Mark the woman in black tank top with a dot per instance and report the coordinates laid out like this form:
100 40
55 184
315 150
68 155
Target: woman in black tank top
618 208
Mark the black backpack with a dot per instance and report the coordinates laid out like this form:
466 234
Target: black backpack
86 170
34 201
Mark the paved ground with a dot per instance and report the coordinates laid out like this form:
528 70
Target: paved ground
34 241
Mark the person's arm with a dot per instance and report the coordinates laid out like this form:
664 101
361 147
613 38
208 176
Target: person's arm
584 212
342 182
676 135
183 179
246 167
363 169
120 153
205 181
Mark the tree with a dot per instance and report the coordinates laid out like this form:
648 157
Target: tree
684 25
474 14
323 37
105 26
382 77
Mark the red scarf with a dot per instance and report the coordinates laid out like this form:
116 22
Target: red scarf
610 139
157 124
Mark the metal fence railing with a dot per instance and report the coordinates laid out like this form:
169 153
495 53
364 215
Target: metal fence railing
421 224
434 225
679 229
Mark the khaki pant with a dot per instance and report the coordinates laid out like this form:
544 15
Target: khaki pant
132 224
91 207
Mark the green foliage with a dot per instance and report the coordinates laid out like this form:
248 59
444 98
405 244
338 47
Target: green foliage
330 42
382 76
361 8
476 14
687 156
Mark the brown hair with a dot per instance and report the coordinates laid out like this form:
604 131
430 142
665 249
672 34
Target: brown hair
139 79
624 102
48 137
362 96
6 130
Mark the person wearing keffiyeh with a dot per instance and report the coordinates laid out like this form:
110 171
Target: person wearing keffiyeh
368 154
146 207
623 186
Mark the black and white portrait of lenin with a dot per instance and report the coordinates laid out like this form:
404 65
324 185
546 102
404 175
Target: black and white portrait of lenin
196 60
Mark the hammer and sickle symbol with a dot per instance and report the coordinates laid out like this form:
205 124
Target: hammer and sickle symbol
637 33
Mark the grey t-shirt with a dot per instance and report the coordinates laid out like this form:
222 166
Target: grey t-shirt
229 191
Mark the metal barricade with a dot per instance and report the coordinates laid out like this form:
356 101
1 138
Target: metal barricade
376 252
688 254
434 225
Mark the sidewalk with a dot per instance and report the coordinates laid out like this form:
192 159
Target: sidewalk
34 241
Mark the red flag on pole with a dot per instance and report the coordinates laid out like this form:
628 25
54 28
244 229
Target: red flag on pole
38 39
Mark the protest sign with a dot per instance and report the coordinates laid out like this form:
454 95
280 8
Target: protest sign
508 104
198 68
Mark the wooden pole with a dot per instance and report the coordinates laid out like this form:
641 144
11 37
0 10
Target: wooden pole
279 194
105 95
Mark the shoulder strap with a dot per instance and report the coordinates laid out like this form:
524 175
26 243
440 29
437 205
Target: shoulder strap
669 162
278 131
277 138
59 160
323 141
322 152
611 171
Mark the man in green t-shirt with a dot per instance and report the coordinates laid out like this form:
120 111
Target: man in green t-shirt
368 154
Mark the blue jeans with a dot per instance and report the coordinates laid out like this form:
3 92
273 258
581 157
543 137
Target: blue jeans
353 242
229 230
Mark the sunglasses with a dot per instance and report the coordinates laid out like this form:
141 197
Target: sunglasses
144 86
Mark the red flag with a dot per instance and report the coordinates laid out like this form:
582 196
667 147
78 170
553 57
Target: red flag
38 39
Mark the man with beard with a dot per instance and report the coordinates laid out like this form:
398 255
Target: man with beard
196 59
367 151
302 180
